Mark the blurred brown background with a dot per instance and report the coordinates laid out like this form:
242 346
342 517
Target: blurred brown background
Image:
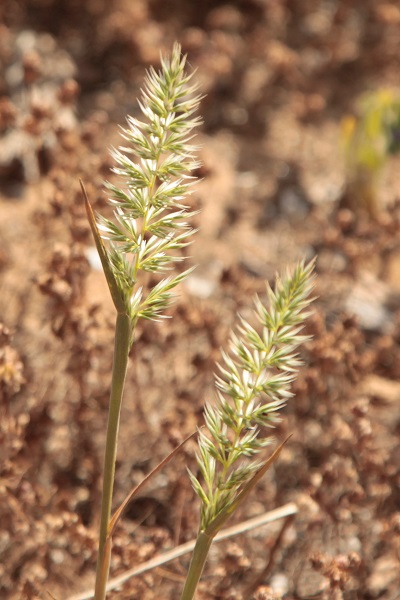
278 77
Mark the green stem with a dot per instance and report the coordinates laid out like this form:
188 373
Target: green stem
197 563
121 351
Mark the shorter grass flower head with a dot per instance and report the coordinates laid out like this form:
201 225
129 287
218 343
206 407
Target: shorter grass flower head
150 224
252 386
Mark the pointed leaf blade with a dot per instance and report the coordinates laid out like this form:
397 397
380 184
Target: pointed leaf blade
101 249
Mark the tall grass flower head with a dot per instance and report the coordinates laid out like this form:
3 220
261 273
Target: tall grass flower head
150 218
252 386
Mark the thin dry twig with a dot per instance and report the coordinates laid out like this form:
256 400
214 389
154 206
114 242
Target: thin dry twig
118 513
288 510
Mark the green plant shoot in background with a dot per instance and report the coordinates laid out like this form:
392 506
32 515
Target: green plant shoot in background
368 140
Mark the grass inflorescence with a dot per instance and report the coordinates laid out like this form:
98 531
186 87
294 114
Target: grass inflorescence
150 222
252 386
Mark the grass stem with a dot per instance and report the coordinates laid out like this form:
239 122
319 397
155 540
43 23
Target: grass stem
197 563
121 351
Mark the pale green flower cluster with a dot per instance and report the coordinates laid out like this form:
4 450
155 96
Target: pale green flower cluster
253 385
150 217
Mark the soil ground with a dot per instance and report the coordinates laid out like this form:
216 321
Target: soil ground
278 77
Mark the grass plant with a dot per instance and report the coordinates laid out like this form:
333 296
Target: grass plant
145 236
368 140
252 386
